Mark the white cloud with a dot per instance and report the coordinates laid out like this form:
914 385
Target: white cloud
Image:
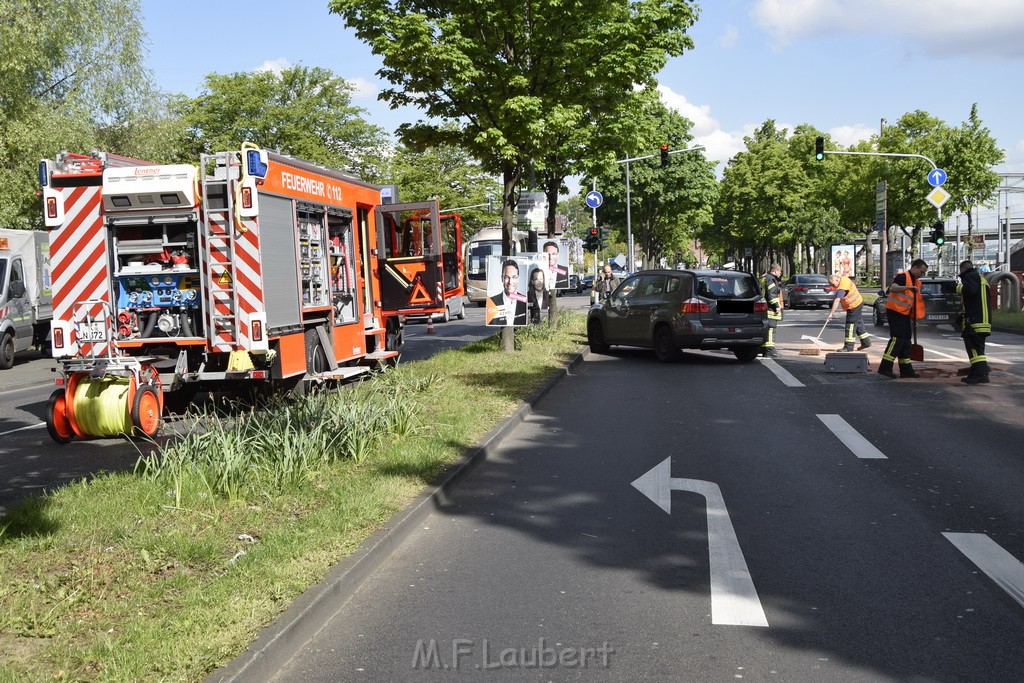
700 114
848 135
363 89
275 66
989 29
730 36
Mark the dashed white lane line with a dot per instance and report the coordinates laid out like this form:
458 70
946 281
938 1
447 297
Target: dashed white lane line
1000 566
851 438
780 372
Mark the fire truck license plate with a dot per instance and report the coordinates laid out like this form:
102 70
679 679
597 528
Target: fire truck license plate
91 332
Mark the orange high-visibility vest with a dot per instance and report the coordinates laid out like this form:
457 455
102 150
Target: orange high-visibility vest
853 299
907 303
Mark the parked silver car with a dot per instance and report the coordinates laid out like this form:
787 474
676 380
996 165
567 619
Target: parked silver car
671 310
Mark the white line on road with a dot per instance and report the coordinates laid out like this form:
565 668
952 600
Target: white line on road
734 599
860 446
1002 567
20 429
780 372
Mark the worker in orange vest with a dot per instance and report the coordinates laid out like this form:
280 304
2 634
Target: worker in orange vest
848 296
903 306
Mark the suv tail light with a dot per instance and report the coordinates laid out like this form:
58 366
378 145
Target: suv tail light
695 305
760 306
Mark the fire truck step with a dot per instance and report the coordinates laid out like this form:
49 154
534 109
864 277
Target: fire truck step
341 373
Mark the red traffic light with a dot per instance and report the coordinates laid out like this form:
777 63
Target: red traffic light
664 155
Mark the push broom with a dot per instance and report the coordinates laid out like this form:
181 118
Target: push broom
814 351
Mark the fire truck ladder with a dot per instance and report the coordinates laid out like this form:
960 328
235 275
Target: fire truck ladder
219 248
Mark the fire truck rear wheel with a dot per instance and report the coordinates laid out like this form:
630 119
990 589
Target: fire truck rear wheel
146 411
57 422
7 351
316 357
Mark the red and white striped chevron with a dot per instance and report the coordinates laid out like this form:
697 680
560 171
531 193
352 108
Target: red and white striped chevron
78 256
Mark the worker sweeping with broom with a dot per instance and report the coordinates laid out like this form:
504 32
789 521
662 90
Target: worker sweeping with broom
852 302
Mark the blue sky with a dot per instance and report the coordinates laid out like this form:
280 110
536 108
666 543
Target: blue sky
840 65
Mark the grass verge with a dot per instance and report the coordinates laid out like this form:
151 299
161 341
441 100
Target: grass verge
170 571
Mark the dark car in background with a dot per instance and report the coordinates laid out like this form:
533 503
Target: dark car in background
671 310
808 290
941 303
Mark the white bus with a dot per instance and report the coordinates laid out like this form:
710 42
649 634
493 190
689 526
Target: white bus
485 243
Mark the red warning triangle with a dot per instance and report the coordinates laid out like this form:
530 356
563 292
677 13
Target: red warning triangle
419 294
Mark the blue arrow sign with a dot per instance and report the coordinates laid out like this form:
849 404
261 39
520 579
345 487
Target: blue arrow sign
594 199
936 177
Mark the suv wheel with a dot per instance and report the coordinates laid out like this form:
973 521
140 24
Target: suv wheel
746 354
595 337
665 345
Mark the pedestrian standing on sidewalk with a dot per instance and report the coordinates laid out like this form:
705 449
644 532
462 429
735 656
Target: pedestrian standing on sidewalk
605 284
848 296
973 291
903 305
771 285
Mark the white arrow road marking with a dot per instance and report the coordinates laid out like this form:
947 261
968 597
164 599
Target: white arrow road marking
19 429
1002 567
780 372
734 599
851 438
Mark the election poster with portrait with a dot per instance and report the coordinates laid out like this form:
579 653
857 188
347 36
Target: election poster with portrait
506 291
556 262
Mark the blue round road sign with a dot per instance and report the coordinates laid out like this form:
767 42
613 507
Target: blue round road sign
594 199
936 177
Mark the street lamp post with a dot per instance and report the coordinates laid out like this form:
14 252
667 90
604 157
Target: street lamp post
629 224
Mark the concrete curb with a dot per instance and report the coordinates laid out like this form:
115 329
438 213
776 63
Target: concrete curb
279 641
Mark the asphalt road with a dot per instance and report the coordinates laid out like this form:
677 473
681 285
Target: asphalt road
709 520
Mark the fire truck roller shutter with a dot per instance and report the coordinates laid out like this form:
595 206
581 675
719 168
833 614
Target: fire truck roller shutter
280 261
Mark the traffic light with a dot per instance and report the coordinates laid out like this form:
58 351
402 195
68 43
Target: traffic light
819 148
938 234
602 242
590 241
664 156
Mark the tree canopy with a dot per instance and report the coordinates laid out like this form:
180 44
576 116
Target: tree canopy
303 111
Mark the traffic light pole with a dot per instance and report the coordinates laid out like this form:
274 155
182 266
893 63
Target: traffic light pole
885 237
629 224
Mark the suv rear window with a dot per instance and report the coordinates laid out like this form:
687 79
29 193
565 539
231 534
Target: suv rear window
726 286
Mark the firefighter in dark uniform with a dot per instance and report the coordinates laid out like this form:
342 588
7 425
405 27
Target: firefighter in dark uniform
973 291
771 285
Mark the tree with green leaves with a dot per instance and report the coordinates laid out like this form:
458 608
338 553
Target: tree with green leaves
449 175
669 205
66 68
970 152
303 111
766 198
519 77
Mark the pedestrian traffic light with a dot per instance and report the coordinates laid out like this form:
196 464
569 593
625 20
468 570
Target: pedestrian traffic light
664 156
819 148
938 234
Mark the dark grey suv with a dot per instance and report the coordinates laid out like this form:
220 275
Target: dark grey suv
671 310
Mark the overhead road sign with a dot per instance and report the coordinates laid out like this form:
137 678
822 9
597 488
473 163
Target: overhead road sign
938 197
936 177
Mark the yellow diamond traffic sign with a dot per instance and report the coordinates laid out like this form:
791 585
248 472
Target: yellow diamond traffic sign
938 197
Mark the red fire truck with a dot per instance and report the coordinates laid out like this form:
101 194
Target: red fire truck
257 271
